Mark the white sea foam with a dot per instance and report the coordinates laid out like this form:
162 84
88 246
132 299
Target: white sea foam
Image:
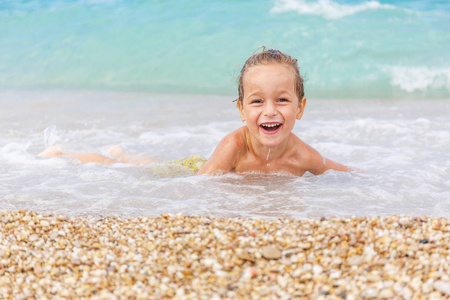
326 8
412 79
401 144
50 136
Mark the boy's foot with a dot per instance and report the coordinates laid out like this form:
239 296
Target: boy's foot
52 151
116 152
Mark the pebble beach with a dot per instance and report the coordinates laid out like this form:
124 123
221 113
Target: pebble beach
183 257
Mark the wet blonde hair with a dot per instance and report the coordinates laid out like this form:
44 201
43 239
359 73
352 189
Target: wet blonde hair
271 56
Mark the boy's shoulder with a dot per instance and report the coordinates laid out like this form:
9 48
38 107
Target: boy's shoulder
227 153
234 143
306 156
237 138
300 147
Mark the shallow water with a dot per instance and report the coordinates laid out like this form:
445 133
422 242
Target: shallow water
402 145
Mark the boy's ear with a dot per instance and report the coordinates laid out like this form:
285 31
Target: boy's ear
241 110
301 108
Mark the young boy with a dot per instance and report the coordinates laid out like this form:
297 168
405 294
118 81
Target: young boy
271 98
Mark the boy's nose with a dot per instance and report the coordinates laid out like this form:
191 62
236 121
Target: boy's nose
270 109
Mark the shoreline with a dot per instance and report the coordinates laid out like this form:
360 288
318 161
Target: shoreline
183 257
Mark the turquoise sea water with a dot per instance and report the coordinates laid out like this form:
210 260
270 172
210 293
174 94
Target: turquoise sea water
346 48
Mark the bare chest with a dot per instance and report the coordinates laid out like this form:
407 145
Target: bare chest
251 164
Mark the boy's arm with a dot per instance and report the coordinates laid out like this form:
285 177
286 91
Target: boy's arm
224 157
320 164
332 165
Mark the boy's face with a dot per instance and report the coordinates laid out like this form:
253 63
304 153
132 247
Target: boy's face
270 104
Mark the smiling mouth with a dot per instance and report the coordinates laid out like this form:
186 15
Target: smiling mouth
270 127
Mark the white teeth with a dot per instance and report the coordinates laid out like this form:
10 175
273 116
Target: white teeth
270 125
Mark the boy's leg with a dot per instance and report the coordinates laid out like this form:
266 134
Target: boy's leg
53 151
90 157
118 153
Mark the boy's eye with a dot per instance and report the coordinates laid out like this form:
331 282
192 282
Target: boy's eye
256 101
283 100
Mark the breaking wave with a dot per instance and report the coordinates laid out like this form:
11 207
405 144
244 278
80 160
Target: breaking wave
326 8
412 79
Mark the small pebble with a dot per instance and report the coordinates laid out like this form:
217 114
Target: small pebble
244 255
442 286
355 260
271 252
317 270
44 223
386 294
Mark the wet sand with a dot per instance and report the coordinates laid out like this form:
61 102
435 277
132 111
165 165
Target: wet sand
174 256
